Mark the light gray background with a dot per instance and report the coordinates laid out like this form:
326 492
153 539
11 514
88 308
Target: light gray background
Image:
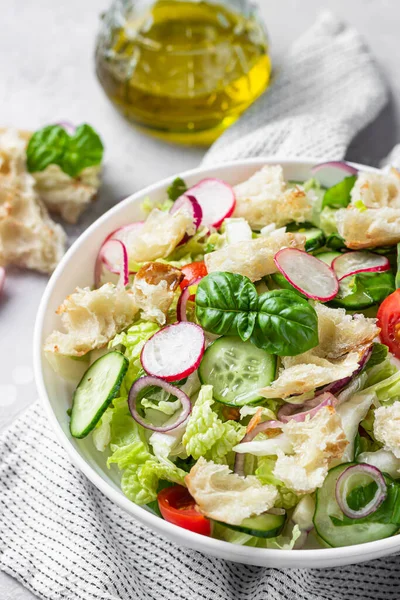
47 74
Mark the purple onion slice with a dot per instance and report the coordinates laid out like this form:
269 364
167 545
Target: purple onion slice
337 386
144 382
299 412
342 490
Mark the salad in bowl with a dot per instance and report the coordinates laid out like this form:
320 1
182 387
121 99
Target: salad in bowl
234 360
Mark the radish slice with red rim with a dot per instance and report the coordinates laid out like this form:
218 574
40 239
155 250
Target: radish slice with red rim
216 198
351 263
174 352
136 392
188 203
113 254
124 234
339 165
333 172
186 295
309 275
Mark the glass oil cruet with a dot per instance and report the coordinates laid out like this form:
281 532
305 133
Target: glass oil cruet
183 69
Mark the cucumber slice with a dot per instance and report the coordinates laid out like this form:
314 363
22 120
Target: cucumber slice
328 257
346 535
315 238
97 388
266 525
236 370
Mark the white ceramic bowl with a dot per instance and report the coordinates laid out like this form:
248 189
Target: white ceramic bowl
76 269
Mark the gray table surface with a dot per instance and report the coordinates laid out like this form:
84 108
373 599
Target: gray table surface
46 74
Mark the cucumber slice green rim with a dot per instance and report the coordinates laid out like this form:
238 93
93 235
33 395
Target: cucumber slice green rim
95 392
266 525
236 370
348 535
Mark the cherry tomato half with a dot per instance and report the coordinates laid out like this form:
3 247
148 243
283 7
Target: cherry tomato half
193 271
177 506
389 321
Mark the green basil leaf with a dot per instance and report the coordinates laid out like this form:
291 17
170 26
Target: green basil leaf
176 189
226 304
46 147
338 196
85 149
286 324
53 146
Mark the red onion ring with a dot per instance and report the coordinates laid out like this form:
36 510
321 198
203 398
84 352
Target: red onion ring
341 490
101 259
149 380
337 386
260 428
336 164
183 300
297 412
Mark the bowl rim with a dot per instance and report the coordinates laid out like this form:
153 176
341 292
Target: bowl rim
187 538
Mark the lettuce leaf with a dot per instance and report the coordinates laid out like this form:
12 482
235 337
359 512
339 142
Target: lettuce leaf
264 472
206 434
131 453
133 340
147 205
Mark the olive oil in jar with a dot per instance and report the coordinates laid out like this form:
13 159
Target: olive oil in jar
182 68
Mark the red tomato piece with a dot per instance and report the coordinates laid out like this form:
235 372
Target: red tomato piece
178 507
389 321
193 271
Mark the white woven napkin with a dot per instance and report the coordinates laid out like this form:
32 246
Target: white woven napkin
59 535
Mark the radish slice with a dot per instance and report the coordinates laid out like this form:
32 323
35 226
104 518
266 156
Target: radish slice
340 165
144 382
187 294
2 278
110 254
190 204
124 234
351 263
312 277
114 255
216 199
174 352
333 172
